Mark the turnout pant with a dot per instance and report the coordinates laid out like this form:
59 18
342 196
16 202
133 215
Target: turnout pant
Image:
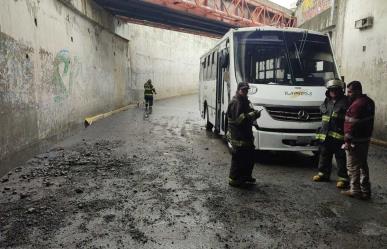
148 101
329 148
242 163
358 168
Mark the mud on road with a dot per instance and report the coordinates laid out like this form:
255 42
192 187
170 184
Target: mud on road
161 182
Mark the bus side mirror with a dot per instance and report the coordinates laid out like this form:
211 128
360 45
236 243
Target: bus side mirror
224 60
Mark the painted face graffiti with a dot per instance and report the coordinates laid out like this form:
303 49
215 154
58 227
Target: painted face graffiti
65 71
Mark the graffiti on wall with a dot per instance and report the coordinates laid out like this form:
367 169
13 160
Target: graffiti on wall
311 8
66 70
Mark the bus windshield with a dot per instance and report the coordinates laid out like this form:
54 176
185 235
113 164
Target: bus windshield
281 57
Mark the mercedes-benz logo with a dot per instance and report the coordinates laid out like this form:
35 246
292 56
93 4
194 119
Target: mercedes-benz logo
303 115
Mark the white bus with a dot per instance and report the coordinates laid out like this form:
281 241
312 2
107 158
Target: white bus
286 68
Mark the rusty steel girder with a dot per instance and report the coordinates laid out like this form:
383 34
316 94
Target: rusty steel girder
239 13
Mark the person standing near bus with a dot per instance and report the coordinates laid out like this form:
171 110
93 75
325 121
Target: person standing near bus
148 95
331 134
240 116
358 128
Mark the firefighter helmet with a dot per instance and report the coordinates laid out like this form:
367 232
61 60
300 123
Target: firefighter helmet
335 84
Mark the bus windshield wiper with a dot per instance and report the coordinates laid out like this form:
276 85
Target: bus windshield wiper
303 42
298 56
299 50
287 57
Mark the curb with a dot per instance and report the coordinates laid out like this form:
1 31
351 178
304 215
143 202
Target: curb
379 142
92 119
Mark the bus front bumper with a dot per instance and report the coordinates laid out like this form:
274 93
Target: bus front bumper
282 141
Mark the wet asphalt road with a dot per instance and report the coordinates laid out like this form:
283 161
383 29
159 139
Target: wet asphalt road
161 182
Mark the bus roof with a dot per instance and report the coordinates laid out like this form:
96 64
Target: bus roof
271 28
260 28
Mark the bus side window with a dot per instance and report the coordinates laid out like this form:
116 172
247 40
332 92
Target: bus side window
201 70
213 66
208 70
210 60
216 63
204 69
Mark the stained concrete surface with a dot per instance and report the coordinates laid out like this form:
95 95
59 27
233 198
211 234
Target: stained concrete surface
161 182
64 60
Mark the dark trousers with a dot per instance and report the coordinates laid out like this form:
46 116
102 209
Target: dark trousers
148 101
358 168
329 148
242 163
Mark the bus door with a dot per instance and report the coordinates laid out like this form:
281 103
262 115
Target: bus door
222 71
219 81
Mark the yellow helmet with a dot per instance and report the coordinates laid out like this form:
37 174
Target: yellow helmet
335 84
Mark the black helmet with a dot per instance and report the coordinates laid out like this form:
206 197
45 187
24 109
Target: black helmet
243 85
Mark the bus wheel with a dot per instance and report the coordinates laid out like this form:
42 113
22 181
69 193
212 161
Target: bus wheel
209 126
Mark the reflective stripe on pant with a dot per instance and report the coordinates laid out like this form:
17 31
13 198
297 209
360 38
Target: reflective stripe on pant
327 150
358 168
242 163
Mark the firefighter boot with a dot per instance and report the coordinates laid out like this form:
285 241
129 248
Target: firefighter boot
352 194
320 177
342 183
235 183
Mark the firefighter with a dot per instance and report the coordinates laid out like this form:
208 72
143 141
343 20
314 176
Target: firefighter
331 134
358 127
240 117
148 95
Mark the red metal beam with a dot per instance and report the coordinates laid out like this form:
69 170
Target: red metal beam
169 27
242 13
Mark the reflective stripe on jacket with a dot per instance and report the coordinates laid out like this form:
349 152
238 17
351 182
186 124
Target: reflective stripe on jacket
332 121
149 89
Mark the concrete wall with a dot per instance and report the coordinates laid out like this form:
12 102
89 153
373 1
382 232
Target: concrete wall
171 59
56 67
63 60
308 9
364 55
361 54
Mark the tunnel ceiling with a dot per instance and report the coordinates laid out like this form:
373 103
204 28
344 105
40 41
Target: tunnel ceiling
166 17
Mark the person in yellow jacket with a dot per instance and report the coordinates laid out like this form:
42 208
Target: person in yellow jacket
148 95
331 134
